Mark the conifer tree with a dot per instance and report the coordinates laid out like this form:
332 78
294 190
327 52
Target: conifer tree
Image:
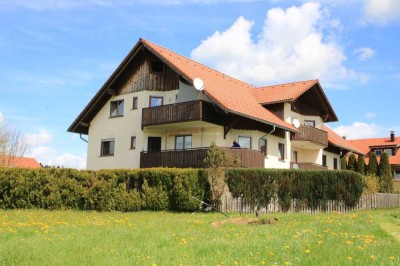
361 164
343 163
373 164
352 163
385 174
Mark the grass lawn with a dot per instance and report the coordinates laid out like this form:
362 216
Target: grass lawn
38 237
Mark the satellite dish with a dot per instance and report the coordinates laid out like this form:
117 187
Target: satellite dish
296 123
198 84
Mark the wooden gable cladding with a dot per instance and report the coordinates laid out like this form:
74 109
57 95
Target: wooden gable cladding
140 76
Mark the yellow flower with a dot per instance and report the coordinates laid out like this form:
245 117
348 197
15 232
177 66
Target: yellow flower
271 253
373 257
307 251
349 258
391 258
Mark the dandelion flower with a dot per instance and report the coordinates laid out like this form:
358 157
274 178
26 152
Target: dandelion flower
373 257
307 251
349 258
391 258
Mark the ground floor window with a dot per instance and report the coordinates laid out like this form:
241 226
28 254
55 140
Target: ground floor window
183 142
133 142
263 146
245 142
324 160
107 147
281 151
335 163
294 156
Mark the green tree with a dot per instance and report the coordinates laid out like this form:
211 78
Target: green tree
361 164
385 174
373 164
216 161
352 163
343 163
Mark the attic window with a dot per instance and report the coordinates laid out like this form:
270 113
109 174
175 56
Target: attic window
157 66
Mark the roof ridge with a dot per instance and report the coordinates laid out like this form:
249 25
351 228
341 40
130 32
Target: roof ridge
288 83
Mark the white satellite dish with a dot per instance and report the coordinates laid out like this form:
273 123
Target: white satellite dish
198 84
296 123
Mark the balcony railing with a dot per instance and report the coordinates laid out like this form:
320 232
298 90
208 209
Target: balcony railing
180 112
307 166
312 134
194 158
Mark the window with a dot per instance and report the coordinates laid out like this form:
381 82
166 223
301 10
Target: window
133 142
183 142
388 152
134 103
157 66
245 142
156 101
294 156
310 123
117 108
378 152
324 160
263 146
107 147
281 151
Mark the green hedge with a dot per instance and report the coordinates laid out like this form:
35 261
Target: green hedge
104 190
312 188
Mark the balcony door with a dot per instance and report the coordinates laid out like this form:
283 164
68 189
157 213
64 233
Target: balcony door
154 144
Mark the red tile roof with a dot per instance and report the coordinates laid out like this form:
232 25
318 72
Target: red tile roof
338 141
283 92
366 144
231 94
20 162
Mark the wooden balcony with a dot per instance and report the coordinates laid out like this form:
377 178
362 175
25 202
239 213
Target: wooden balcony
180 112
311 134
307 166
194 158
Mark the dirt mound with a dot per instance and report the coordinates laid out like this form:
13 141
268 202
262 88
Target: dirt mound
242 220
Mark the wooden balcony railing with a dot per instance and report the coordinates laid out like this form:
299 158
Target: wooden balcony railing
312 134
194 158
307 166
180 112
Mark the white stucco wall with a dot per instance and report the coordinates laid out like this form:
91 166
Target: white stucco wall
329 160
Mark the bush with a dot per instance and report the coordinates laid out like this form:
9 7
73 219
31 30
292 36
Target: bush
371 184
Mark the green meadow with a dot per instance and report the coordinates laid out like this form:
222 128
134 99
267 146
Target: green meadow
39 237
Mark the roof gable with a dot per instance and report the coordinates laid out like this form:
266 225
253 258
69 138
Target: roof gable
20 162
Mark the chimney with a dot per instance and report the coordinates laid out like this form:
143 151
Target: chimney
344 137
392 136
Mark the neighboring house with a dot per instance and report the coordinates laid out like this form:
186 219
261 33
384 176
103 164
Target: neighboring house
160 108
18 162
389 145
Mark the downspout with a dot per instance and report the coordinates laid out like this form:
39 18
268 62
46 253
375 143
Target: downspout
272 131
80 136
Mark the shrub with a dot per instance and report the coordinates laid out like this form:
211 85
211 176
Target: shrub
373 164
371 184
385 174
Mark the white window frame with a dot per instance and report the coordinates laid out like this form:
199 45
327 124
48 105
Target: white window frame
117 108
111 148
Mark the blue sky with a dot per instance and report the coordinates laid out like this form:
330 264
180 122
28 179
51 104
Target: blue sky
55 55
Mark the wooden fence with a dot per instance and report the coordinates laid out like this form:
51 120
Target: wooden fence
366 202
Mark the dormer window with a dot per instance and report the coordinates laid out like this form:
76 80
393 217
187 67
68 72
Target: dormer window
388 152
378 152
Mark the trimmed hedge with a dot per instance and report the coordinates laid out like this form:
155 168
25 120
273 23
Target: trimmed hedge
104 190
312 188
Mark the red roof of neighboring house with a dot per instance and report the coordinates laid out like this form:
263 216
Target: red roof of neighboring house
366 144
283 92
20 162
231 94
338 141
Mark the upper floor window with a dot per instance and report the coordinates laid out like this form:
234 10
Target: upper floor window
263 146
183 142
310 123
134 103
245 142
117 108
107 147
378 152
281 151
156 101
388 152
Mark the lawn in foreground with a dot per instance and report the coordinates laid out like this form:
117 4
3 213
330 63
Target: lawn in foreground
38 237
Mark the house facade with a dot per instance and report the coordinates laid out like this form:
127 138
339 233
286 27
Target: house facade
161 109
389 145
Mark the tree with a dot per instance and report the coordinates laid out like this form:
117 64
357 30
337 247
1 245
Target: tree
12 145
216 161
352 163
385 174
361 164
373 164
343 163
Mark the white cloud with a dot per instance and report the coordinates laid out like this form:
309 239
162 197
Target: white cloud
364 53
294 44
370 115
360 130
381 11
49 156
43 137
1 118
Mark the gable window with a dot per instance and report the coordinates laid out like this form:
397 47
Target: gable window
245 142
310 123
324 160
281 151
156 101
133 142
183 142
378 152
388 152
117 108
263 146
157 66
134 103
107 147
335 163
